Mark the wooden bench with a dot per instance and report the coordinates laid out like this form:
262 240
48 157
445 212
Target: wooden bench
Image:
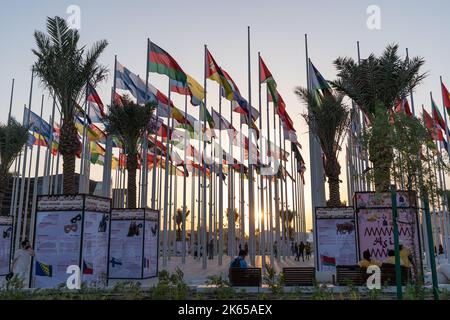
354 275
245 277
297 276
388 275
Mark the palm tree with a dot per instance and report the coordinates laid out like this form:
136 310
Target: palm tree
13 136
179 219
128 123
236 217
375 84
328 119
65 69
289 217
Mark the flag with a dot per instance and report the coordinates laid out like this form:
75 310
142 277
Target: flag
266 77
35 139
88 268
161 62
437 116
38 124
446 98
127 80
43 270
96 108
319 86
402 106
191 87
434 129
219 119
214 72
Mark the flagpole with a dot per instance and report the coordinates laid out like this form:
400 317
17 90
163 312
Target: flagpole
48 154
231 214
15 184
192 236
204 261
270 178
448 151
317 184
262 244
11 100
22 184
144 168
81 180
442 185
220 255
107 166
283 211
55 190
183 219
25 212
35 185
251 209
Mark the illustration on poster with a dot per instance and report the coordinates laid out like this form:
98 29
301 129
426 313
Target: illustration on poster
133 230
115 262
102 225
7 233
154 229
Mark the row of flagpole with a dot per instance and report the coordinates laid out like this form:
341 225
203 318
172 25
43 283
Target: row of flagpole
52 183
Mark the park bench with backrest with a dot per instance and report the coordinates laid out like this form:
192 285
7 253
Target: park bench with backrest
351 275
245 277
388 275
299 276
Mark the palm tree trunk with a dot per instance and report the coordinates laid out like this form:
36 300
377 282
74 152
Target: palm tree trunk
131 190
3 188
69 147
333 170
381 156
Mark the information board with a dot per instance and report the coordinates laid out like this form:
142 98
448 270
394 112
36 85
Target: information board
335 238
6 236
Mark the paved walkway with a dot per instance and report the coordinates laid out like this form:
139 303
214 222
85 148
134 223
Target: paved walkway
194 274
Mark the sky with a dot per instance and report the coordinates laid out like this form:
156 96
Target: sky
277 30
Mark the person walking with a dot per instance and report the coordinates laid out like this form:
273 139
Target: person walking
308 251
301 251
296 254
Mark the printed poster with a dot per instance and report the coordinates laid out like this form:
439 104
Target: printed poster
6 234
336 238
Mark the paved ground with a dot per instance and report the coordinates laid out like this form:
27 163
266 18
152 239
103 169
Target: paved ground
194 274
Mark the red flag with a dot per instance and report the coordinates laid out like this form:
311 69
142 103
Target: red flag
446 98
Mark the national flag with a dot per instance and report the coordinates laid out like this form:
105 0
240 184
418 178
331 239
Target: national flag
35 139
38 124
127 80
437 116
430 124
403 106
318 85
96 107
328 261
266 77
214 72
446 98
222 123
118 99
161 62
43 269
88 268
191 87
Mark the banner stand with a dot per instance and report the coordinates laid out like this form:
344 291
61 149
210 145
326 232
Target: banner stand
374 224
134 244
70 230
6 242
336 242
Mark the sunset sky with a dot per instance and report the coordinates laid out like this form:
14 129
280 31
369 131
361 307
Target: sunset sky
277 31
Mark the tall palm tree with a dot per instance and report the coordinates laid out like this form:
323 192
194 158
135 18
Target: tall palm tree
129 123
64 68
375 84
328 119
13 136
179 219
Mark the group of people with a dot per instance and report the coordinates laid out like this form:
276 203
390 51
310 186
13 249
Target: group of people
405 258
299 250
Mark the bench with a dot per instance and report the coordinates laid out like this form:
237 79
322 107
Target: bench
388 276
296 276
353 274
245 277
